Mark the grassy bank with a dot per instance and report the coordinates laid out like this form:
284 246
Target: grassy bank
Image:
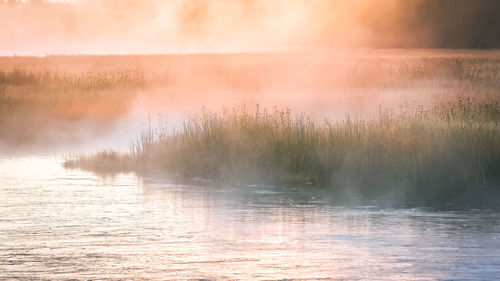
434 154
40 104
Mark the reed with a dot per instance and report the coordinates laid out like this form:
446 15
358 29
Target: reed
426 154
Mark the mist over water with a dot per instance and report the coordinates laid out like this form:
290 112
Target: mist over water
64 224
97 76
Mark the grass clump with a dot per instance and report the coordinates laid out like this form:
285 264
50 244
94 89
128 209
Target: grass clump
105 162
451 150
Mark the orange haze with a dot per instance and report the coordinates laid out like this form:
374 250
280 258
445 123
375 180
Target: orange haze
205 26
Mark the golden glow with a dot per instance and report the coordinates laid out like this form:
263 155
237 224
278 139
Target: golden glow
186 26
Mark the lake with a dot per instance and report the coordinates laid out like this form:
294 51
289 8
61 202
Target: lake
70 225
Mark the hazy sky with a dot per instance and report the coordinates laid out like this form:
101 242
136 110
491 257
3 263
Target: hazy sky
185 26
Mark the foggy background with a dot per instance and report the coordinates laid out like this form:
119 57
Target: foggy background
200 26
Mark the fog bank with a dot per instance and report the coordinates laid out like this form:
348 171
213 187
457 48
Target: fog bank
189 26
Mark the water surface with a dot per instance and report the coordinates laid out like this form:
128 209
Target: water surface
62 225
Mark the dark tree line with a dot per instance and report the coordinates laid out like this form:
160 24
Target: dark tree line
439 24
463 23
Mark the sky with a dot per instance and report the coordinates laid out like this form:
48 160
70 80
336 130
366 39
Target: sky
229 26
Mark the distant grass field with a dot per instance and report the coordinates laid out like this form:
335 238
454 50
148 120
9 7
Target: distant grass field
45 99
37 103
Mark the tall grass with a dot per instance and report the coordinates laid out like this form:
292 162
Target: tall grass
60 81
449 150
40 99
35 104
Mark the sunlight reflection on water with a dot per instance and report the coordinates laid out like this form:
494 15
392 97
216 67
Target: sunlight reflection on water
61 225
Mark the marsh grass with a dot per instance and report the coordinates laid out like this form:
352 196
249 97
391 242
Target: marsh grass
63 80
35 104
40 100
106 163
451 150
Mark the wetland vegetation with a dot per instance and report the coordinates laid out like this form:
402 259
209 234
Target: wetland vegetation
423 126
449 152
